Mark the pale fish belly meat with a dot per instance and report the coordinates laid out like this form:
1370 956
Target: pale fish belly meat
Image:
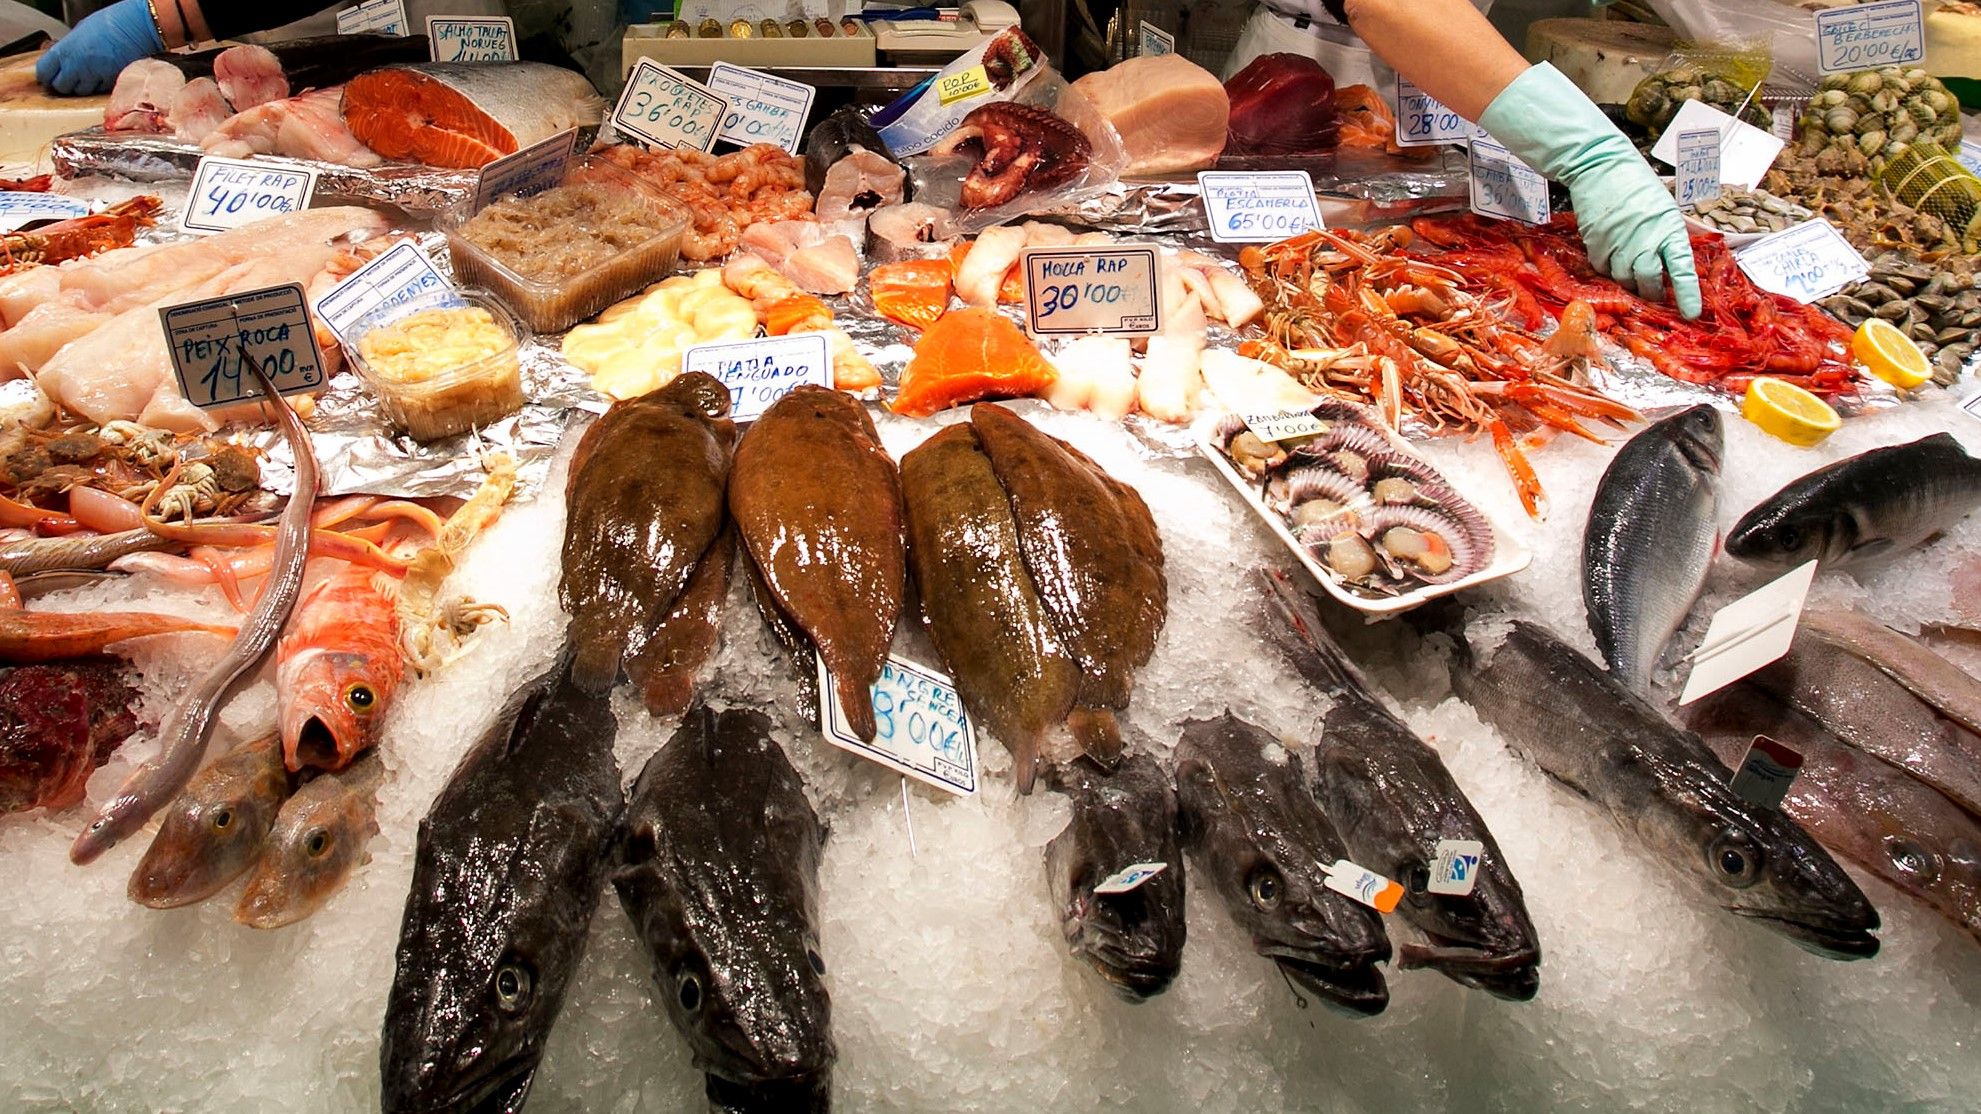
250 75
310 126
197 109
460 115
141 100
1171 112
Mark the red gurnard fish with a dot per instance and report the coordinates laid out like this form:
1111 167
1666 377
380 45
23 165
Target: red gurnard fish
336 669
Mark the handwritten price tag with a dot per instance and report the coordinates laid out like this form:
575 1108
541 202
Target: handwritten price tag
376 17
272 326
1279 425
919 726
1808 262
1072 291
1421 121
402 274
1258 208
531 170
1746 152
762 108
759 372
962 85
1154 40
471 38
1698 166
228 193
1866 36
660 108
1503 186
17 210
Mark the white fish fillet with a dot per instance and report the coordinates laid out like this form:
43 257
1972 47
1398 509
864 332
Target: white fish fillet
1105 365
141 99
859 183
310 126
811 255
982 272
1247 386
249 76
197 109
101 280
24 290
1172 378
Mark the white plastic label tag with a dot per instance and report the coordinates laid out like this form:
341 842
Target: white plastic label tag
531 170
206 340
1766 773
1748 633
400 274
228 193
1808 262
1867 36
1746 152
920 727
1423 121
1503 186
1258 208
17 209
1129 878
1075 291
1698 167
1155 41
661 108
471 38
374 17
1783 123
759 372
762 108
1455 869
1364 885
1970 155
1280 425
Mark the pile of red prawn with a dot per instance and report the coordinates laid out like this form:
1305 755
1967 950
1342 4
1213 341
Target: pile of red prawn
1742 333
726 193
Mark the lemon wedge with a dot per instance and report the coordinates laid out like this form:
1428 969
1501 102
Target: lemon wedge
1890 354
1787 411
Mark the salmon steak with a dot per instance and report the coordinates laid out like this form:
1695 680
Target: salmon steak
460 115
914 292
968 355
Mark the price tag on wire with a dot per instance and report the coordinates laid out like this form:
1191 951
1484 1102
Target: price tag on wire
1503 186
920 728
661 108
1867 36
759 372
228 193
401 274
374 17
1808 262
207 340
471 38
1075 291
1421 121
1698 167
762 108
1258 207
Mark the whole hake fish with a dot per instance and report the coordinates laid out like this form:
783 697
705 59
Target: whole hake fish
1121 818
1891 824
216 829
1664 788
982 606
511 861
817 503
1875 504
1951 690
1652 531
1391 798
319 838
718 871
1255 830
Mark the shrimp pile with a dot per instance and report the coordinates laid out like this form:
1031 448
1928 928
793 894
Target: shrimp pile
726 193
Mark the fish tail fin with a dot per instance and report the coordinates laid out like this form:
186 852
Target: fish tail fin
856 703
592 656
1025 763
1098 734
1301 637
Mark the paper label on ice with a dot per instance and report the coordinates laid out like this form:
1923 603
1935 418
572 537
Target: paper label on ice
18 209
1258 207
1281 425
529 171
1867 36
1129 878
1423 121
1746 152
1363 885
1748 633
228 193
206 340
375 17
920 728
1455 869
400 275
1698 167
1075 291
1766 773
1808 262
761 371
661 108
1503 186
761 108
1155 41
1970 155
471 38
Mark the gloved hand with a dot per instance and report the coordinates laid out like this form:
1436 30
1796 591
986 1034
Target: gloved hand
89 58
1629 222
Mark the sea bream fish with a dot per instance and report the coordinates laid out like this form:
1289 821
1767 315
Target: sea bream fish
216 828
1873 505
718 870
1252 825
1652 532
509 868
318 839
1121 818
1394 802
1665 789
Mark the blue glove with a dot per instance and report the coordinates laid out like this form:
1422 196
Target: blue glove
1629 222
89 58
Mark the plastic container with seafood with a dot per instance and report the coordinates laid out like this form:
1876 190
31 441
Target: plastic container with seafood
560 256
441 364
1375 524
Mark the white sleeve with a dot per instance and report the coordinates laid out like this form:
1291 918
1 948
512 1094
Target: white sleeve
1312 10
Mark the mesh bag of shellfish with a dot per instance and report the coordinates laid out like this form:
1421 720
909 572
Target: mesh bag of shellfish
1927 177
1725 78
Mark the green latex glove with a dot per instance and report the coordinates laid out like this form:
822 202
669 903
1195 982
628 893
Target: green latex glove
1629 221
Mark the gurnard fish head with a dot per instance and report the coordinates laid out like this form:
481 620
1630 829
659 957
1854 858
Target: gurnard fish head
1762 866
1133 940
215 829
318 840
331 705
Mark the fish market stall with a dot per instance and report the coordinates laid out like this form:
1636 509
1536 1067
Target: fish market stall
1133 591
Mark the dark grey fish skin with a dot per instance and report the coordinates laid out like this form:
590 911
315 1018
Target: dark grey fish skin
718 871
511 862
1255 831
1666 790
1873 505
1391 798
1652 530
1134 941
835 137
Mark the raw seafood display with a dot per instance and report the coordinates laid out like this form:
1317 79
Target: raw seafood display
1170 112
1122 819
1880 113
726 194
58 723
1019 149
78 237
318 839
214 832
636 346
1747 212
1939 311
442 371
1875 505
1282 104
1658 97
459 114
967 355
848 169
306 126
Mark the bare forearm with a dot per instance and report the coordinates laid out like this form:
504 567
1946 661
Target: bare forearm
1445 47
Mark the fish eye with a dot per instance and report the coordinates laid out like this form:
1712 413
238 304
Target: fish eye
1911 860
1419 879
317 843
360 697
1264 887
818 963
690 991
221 818
1790 536
1736 858
512 987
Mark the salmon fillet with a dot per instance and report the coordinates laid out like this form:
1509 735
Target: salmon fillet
460 115
967 355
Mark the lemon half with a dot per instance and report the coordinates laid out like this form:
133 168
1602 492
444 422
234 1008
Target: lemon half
1788 412
1890 354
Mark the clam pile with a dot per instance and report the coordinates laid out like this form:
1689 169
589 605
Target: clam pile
1880 113
1378 517
1738 210
1938 307
1657 98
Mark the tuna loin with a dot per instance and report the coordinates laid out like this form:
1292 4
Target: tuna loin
1171 112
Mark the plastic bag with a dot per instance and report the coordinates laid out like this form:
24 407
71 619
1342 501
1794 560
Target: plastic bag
1788 32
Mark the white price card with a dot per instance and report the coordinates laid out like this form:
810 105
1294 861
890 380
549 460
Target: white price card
1280 425
1867 36
1364 885
228 193
375 17
272 326
471 38
1808 262
1259 208
1783 126
919 726
661 108
1766 773
1752 631
1422 121
1698 167
762 108
1129 878
1746 152
1970 155
18 210
1503 186
531 170
761 371
1075 291
401 274
1154 40
1455 867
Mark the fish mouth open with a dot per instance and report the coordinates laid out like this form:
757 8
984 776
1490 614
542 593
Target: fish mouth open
503 1090
1830 943
1357 989
1136 973
1514 976
316 745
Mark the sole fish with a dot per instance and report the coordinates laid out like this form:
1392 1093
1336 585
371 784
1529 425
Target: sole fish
1666 790
665 668
1133 940
1652 532
319 838
216 829
464 115
1871 506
